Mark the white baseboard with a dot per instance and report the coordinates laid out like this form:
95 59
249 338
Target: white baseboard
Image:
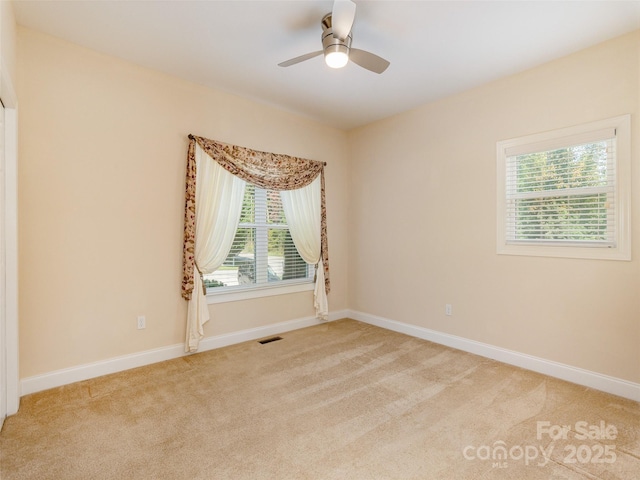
605 383
66 376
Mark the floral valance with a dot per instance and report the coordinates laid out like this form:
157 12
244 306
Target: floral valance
263 169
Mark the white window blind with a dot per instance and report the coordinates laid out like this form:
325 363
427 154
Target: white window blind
262 253
562 191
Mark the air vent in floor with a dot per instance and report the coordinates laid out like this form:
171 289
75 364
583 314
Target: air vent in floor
269 340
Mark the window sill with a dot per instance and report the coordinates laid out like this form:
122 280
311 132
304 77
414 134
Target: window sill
238 294
593 253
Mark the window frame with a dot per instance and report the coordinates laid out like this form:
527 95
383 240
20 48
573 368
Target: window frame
622 195
266 289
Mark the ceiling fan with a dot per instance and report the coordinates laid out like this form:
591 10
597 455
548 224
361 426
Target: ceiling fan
336 42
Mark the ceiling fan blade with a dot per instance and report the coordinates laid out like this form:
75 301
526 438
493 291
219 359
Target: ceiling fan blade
368 60
299 59
342 16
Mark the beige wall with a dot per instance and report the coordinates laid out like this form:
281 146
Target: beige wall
102 164
8 38
423 219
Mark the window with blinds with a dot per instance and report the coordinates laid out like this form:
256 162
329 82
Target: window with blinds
262 253
563 195
562 190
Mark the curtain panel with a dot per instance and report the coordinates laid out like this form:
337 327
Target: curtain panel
266 170
302 211
218 205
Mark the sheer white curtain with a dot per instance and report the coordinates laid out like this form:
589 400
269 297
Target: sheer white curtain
219 197
302 211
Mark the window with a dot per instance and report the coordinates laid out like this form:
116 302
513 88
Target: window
262 254
566 193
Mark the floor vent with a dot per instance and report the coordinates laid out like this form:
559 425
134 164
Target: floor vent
269 340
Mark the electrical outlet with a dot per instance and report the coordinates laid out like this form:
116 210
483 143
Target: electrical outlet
448 309
142 322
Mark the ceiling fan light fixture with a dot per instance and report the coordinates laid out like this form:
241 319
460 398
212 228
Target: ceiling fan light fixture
336 51
336 58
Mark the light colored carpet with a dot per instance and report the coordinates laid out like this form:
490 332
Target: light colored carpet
342 400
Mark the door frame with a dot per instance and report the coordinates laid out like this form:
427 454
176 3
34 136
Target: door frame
9 347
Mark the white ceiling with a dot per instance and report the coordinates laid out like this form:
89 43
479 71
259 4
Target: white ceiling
436 48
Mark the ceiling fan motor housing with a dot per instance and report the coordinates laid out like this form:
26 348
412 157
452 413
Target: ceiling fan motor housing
329 42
